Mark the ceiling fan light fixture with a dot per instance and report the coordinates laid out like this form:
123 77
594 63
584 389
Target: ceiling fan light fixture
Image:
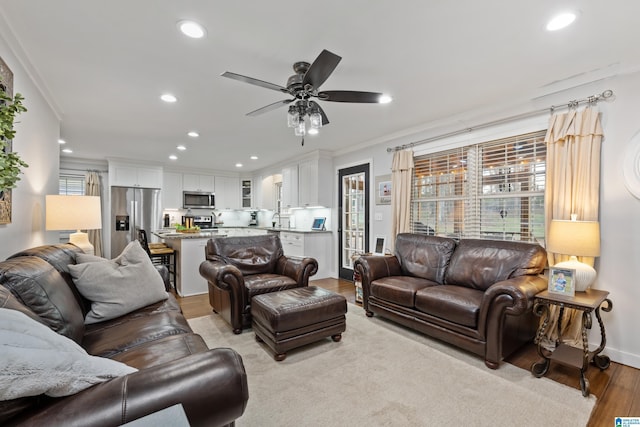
313 131
315 120
292 117
300 129
385 99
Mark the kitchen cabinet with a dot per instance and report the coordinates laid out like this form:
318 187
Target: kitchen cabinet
312 244
290 187
247 185
135 175
265 196
197 182
171 190
315 183
227 191
191 253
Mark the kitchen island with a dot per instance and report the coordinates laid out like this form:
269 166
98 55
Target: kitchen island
191 253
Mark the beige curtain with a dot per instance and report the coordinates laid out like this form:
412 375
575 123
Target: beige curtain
401 178
93 188
572 187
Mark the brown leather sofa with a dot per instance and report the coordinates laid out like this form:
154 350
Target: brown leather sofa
238 268
174 364
474 294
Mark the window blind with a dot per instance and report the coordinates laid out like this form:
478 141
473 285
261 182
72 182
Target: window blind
492 190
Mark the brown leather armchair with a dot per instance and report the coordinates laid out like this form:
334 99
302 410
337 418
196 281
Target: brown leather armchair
238 268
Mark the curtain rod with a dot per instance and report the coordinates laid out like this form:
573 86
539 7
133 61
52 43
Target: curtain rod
593 99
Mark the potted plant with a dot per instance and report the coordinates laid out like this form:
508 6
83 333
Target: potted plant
10 163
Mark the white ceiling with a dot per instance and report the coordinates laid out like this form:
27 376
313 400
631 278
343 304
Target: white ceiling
104 64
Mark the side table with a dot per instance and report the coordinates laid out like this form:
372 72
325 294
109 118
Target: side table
586 302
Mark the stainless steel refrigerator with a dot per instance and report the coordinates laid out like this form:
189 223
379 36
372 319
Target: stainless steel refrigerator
131 208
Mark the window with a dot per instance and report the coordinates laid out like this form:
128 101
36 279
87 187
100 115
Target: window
71 184
492 190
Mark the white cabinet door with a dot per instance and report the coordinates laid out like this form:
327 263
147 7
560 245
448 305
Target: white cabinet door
315 182
290 187
196 182
133 175
227 191
171 190
292 243
266 198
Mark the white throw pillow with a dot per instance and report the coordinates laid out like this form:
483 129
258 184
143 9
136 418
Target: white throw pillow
119 286
36 360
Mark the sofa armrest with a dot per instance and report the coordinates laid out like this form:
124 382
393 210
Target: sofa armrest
227 277
372 268
299 269
211 386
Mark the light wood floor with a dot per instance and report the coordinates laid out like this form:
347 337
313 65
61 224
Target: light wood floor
617 388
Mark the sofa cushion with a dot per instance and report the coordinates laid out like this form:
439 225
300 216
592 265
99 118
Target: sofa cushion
424 256
120 286
250 254
257 284
479 264
453 303
39 286
37 360
111 337
399 289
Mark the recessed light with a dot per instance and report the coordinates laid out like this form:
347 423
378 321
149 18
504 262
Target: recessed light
238 165
192 29
167 97
312 131
254 157
193 134
561 21
67 150
173 157
62 141
385 99
181 147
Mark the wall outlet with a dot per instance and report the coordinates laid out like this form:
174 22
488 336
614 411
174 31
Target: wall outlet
378 216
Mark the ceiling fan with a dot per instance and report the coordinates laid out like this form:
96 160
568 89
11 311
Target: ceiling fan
302 87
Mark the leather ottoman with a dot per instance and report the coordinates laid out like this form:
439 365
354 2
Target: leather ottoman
295 317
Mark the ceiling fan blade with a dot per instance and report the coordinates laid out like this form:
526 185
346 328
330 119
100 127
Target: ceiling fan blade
270 107
349 96
253 81
321 69
325 120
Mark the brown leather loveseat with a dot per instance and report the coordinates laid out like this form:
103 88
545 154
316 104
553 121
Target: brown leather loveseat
174 364
474 294
239 268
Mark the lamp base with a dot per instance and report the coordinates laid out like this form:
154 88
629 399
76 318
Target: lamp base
81 240
585 274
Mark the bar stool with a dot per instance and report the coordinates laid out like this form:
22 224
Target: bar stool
160 254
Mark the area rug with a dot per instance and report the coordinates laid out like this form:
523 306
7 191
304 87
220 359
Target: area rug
382 374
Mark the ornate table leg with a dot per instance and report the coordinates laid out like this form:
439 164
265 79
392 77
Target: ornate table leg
586 324
538 369
602 361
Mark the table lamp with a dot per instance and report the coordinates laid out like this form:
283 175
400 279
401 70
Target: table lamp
576 238
65 212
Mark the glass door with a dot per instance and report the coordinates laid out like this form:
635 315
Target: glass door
353 227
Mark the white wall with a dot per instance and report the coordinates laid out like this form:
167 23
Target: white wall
37 143
619 264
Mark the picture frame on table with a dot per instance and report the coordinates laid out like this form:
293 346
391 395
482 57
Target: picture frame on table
562 281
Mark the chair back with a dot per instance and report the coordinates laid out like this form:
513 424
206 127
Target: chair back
250 254
144 242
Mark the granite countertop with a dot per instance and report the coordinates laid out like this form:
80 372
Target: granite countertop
206 234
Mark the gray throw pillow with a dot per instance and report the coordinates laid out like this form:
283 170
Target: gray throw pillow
36 360
119 286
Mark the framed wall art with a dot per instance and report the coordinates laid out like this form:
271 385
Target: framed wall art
6 83
383 190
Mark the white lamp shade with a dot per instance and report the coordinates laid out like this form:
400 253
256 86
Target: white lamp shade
579 238
73 212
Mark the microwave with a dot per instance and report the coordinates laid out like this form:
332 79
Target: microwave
198 200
